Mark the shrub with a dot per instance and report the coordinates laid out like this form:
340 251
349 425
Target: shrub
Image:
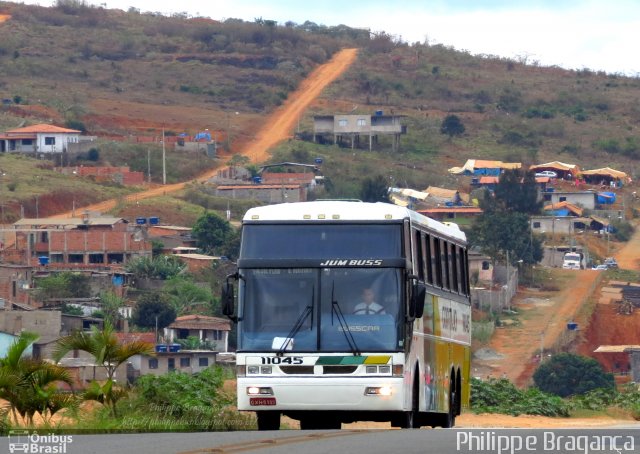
568 374
502 396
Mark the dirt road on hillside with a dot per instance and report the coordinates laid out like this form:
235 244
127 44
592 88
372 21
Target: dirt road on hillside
278 127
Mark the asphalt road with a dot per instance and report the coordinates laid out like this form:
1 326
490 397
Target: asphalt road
437 441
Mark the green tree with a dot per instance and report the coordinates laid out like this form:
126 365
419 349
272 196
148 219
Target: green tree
452 126
211 232
567 374
374 189
63 285
108 353
110 304
186 296
515 192
151 307
160 267
30 385
502 233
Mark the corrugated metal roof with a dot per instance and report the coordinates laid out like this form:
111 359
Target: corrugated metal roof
201 322
616 348
39 222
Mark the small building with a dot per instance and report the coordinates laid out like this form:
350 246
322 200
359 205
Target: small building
194 260
352 127
165 361
584 199
40 138
459 215
75 243
215 330
269 193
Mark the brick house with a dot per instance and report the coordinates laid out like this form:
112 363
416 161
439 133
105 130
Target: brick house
97 243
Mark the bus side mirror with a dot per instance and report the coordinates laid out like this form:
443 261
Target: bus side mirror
416 305
227 298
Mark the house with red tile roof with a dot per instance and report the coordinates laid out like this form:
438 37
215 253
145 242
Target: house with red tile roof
213 329
41 138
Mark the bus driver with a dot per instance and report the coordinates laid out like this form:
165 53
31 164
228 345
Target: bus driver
368 306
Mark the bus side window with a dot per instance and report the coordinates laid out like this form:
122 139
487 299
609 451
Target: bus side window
467 285
455 278
428 258
463 272
444 259
436 261
418 255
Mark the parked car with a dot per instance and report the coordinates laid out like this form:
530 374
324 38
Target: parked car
610 262
547 173
601 267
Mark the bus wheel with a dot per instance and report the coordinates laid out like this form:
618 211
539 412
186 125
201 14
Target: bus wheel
449 418
410 418
268 420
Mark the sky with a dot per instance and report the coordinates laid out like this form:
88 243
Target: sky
600 35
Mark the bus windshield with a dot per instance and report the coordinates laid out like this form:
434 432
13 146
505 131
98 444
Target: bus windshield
316 241
320 309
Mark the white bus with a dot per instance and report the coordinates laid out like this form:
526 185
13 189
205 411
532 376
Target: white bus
305 350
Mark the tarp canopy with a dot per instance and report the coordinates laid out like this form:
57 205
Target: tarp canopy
605 171
448 194
569 207
482 167
557 165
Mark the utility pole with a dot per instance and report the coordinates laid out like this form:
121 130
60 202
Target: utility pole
148 165
164 160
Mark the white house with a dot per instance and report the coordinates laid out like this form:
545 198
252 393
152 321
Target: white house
42 138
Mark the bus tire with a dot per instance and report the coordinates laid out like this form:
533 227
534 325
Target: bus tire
410 419
268 420
449 418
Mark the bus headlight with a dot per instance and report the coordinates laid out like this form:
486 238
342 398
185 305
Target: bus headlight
377 391
266 369
384 369
259 391
253 369
372 369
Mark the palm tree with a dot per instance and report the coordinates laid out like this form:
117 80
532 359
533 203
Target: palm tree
30 385
108 353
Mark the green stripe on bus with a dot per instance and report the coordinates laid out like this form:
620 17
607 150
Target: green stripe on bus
351 360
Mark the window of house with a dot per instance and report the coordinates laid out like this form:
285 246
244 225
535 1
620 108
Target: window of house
185 362
547 197
49 140
216 334
96 258
536 225
563 198
27 142
56 258
171 362
76 258
361 122
153 363
203 362
342 123
485 265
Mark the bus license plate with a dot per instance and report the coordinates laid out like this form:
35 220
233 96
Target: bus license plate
262 401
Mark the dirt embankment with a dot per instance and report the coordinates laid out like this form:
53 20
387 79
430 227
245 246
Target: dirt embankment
276 128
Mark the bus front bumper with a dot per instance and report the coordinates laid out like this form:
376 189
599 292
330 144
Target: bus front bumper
325 394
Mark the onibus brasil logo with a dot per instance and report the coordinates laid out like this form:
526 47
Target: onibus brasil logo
23 441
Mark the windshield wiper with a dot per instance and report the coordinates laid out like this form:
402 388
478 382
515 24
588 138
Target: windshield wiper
298 325
335 308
